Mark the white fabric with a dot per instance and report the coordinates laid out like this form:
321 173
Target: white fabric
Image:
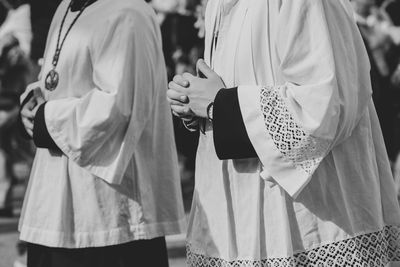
117 179
18 23
324 176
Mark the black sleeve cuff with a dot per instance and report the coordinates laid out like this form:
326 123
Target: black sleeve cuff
41 136
21 128
231 140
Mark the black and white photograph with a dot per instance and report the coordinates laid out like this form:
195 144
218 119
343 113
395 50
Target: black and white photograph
199 133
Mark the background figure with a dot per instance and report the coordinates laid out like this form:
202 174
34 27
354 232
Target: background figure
379 25
17 23
15 73
392 7
384 55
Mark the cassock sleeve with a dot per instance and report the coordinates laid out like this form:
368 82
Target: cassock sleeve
41 136
315 103
231 140
99 130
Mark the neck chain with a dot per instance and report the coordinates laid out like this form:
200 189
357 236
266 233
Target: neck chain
216 33
52 77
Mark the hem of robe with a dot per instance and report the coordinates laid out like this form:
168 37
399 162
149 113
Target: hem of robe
101 238
247 261
291 178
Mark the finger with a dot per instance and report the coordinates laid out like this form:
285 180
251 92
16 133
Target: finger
178 79
37 92
203 68
188 77
34 111
26 96
28 114
29 88
183 117
176 87
30 104
181 110
174 102
30 132
177 96
27 124
178 115
38 95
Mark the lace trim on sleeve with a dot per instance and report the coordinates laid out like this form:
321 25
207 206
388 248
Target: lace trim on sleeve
304 150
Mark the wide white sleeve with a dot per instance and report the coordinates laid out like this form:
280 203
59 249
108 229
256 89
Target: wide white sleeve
99 130
295 123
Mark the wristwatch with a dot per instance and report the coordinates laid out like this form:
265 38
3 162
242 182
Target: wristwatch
210 109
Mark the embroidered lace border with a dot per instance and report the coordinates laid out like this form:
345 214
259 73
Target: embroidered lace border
304 150
368 250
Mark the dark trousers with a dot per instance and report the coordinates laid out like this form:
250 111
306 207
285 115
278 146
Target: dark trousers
141 253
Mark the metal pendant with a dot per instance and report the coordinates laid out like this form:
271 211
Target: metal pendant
51 81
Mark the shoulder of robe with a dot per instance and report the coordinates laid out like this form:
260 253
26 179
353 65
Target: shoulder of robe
128 9
130 13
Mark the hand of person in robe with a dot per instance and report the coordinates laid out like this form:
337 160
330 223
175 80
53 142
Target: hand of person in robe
28 111
177 100
199 92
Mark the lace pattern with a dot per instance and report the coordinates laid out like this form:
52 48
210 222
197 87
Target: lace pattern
304 150
368 250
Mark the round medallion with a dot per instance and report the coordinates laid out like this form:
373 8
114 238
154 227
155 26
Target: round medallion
51 81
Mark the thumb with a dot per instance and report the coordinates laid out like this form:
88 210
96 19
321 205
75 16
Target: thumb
203 69
37 92
38 96
29 88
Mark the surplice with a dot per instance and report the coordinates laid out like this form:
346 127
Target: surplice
319 191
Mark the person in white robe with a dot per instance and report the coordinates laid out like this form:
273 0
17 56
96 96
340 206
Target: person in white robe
291 166
104 188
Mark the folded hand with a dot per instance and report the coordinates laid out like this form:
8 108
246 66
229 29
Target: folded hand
189 95
28 111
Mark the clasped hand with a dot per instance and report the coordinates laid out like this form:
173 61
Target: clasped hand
189 95
28 111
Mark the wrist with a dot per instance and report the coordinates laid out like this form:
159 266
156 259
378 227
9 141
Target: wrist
191 124
210 110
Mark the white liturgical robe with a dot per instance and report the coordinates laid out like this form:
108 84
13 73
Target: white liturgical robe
320 192
116 179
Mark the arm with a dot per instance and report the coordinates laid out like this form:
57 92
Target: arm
314 105
322 89
99 130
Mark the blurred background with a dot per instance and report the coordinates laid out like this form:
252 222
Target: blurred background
23 31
